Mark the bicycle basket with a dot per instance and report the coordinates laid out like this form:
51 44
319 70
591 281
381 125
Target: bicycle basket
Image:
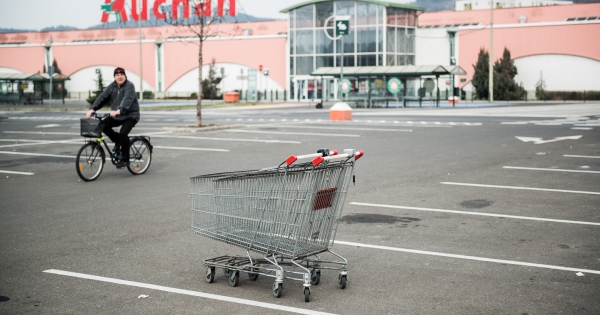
91 128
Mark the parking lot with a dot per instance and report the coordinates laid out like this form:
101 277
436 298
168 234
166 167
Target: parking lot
454 211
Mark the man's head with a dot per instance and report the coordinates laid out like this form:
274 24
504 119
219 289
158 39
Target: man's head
120 75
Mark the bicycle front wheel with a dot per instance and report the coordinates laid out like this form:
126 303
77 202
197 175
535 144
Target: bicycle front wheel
90 161
140 157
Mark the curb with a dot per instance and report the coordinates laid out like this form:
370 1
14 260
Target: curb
190 129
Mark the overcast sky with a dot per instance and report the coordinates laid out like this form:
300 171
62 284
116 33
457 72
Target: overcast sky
38 14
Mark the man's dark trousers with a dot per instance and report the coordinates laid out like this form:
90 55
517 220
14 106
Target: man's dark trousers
122 137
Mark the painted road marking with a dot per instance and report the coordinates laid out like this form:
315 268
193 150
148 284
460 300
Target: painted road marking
295 133
582 128
474 213
18 173
582 156
191 149
334 128
48 126
186 292
523 188
39 154
549 169
227 139
40 143
499 261
42 133
541 141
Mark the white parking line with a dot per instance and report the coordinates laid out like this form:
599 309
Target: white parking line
582 128
43 133
549 169
295 133
190 149
186 292
332 128
499 261
40 143
18 173
474 213
582 156
524 188
228 139
39 154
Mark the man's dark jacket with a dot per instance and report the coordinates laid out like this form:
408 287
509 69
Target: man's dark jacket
123 99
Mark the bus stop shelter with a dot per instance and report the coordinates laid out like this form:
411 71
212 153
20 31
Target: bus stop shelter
28 88
386 73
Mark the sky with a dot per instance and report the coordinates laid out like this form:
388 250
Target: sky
38 14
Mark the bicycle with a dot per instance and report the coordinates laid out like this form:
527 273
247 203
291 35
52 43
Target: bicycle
91 157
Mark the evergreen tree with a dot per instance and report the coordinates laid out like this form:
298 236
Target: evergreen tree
481 75
100 88
55 67
210 84
504 78
540 88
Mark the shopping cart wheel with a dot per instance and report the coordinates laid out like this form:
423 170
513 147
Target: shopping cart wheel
234 278
277 289
226 272
315 276
342 281
210 275
306 294
253 276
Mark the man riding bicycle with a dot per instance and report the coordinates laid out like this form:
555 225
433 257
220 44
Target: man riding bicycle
124 112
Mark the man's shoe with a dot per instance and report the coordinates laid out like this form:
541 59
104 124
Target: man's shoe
117 149
122 164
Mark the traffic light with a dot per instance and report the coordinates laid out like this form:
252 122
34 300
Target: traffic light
260 68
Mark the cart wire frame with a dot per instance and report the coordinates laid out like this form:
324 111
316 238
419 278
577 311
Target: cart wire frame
289 214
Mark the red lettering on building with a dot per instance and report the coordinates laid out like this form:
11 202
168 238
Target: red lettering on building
222 5
175 9
156 9
201 9
134 12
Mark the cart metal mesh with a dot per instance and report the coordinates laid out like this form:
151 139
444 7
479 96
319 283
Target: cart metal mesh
292 212
91 128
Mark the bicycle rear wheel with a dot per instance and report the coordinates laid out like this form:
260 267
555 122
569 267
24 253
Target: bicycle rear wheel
140 157
90 161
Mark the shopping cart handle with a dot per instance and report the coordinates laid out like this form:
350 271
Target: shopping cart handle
293 158
357 154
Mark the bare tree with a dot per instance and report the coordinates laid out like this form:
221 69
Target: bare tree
200 19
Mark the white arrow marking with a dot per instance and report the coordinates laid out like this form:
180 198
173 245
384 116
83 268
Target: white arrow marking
541 141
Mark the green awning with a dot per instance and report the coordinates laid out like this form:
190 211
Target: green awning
406 71
382 3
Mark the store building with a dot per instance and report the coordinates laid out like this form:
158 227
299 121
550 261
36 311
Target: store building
386 41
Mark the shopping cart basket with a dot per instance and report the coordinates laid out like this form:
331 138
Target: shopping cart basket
288 213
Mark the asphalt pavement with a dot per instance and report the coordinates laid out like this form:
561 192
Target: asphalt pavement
488 210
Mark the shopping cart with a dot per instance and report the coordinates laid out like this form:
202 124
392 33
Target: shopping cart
288 213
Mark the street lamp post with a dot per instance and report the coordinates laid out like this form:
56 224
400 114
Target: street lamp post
491 66
141 64
50 70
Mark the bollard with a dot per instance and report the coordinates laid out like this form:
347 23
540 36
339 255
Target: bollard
271 96
340 111
564 96
584 96
285 96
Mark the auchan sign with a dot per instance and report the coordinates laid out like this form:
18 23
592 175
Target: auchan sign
201 9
